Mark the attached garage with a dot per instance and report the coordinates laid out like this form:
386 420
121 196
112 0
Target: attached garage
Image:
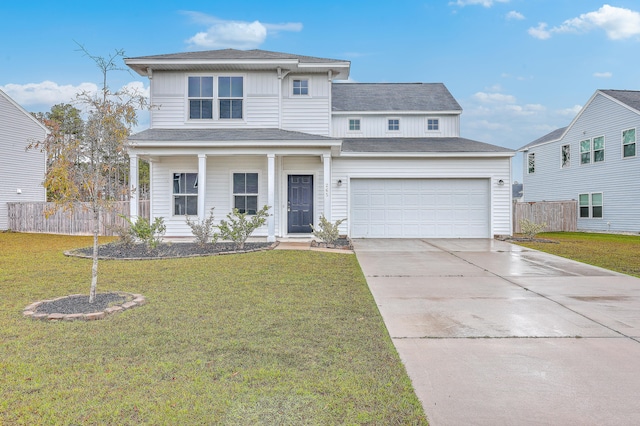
420 208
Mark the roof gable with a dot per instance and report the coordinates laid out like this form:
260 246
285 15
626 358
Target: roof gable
428 97
24 111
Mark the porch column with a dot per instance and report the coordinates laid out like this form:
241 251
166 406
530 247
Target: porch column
271 197
133 187
202 185
326 160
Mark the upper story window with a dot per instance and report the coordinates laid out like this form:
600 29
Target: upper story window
531 163
185 194
566 156
354 124
433 124
592 151
300 86
230 97
200 98
245 192
394 124
629 143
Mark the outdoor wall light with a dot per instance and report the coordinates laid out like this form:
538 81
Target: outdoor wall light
18 191
339 182
500 182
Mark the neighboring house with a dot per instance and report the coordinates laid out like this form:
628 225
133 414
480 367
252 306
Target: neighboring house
21 171
516 191
232 128
593 161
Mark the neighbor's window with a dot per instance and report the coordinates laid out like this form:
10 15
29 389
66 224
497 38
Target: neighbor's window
230 96
598 149
185 194
300 87
200 98
629 143
566 156
531 163
585 151
245 192
394 124
354 124
591 205
433 124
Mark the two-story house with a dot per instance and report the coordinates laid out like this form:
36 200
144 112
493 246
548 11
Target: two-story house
243 129
21 171
593 161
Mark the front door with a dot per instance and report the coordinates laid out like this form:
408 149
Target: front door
300 204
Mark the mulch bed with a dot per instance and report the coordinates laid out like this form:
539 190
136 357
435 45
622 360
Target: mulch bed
79 304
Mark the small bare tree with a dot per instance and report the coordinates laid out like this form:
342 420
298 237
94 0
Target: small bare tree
83 170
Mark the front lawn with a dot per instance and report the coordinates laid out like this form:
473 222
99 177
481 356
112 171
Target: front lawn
278 337
611 251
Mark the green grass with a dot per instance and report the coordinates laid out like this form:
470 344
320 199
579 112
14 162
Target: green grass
278 337
611 251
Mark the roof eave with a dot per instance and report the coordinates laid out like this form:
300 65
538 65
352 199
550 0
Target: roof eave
403 112
430 154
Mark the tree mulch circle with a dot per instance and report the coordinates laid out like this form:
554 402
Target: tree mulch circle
76 307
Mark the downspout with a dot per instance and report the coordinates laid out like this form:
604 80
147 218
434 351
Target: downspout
281 77
150 75
330 77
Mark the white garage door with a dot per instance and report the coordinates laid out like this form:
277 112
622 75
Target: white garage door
420 208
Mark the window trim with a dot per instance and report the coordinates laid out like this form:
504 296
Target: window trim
589 151
183 194
437 122
231 98
635 143
565 164
593 149
245 194
590 206
359 120
215 109
531 160
212 98
396 121
293 88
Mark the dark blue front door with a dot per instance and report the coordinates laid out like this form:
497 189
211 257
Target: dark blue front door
300 204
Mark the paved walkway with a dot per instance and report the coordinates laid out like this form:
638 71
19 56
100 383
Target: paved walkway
495 334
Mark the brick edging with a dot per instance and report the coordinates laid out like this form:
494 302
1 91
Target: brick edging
30 311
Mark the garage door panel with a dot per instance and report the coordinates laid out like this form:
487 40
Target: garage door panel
420 208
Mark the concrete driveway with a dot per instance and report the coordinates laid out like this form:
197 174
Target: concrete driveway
496 334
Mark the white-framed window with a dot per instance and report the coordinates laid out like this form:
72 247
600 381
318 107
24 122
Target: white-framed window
598 149
354 124
531 163
591 205
433 124
393 124
245 192
200 95
585 151
565 156
230 96
628 143
300 86
185 194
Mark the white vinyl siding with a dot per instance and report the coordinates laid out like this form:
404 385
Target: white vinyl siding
411 125
612 177
19 169
310 113
490 169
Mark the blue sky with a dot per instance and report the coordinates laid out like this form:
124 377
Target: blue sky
519 68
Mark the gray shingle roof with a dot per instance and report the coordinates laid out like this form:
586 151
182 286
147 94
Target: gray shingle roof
629 97
552 136
432 97
434 145
206 135
235 54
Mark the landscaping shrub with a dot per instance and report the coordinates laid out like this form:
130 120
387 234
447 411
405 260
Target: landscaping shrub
203 231
326 231
239 226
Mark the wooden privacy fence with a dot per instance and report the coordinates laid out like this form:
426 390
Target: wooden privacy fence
31 217
560 216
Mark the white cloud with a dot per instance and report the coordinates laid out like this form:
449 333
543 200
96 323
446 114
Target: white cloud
494 98
524 110
570 112
618 23
540 32
513 15
46 92
234 34
603 74
485 3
